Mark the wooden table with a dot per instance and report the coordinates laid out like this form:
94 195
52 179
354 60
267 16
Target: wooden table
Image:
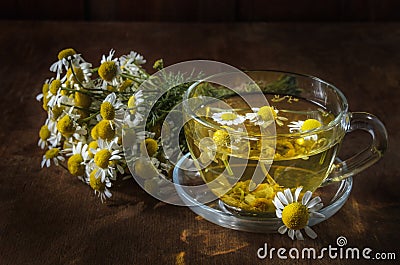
48 217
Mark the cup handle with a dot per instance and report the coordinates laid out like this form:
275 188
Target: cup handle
367 157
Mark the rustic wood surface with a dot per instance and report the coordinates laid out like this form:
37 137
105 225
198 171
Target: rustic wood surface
49 217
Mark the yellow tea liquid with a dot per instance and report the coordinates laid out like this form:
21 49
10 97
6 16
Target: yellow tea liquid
300 158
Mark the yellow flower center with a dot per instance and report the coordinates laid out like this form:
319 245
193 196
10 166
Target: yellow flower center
96 183
310 124
104 130
66 126
57 111
54 86
102 158
150 145
267 113
82 100
78 77
52 153
127 83
132 104
75 166
228 116
107 111
45 101
94 133
45 88
66 53
44 133
92 145
221 138
108 71
295 216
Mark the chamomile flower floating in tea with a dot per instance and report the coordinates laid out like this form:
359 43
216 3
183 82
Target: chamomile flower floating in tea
302 126
265 116
228 118
296 215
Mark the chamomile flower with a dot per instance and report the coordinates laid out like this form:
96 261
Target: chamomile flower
100 187
77 75
133 106
131 62
228 118
68 126
52 154
77 159
302 126
265 116
296 215
45 90
135 100
111 109
65 57
51 137
54 97
44 135
109 70
105 159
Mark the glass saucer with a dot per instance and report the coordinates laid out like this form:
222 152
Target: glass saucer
333 196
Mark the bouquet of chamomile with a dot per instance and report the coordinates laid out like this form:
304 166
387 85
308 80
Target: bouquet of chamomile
89 108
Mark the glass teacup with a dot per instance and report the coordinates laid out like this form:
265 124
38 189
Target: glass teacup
249 148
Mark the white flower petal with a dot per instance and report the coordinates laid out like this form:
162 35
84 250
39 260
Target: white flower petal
103 175
316 207
306 197
107 193
115 157
316 215
291 234
97 174
282 229
282 198
297 193
288 195
278 213
313 202
299 235
278 203
310 232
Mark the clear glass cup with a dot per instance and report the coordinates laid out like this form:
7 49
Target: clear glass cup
247 149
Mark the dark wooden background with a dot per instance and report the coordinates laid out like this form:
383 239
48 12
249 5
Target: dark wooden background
49 217
203 11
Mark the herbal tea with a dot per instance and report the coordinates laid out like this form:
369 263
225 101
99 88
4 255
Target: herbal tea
300 158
